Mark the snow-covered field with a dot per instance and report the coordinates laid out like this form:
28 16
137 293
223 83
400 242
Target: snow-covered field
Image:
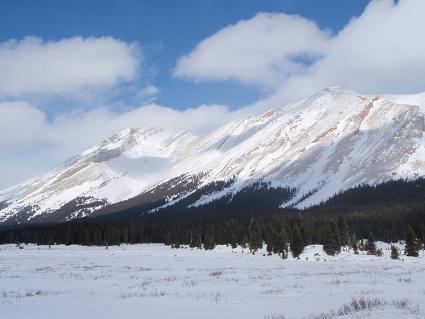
154 281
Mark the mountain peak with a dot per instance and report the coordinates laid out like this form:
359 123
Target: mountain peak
330 142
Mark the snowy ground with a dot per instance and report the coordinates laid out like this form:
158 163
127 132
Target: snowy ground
155 281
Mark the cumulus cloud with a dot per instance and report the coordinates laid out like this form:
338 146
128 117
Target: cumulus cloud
30 143
261 50
381 51
34 66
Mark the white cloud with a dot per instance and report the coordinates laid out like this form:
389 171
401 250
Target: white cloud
34 66
147 94
261 50
382 51
30 144
148 91
20 122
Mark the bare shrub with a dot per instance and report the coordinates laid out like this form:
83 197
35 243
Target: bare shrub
216 274
362 305
45 269
406 280
216 297
151 294
190 283
274 291
404 304
28 293
276 316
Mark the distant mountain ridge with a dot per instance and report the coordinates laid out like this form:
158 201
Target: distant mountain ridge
325 144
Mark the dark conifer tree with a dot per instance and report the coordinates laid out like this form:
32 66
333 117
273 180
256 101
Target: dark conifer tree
354 244
411 243
195 240
394 252
280 240
269 248
343 231
233 241
303 233
329 243
371 245
362 246
336 236
245 241
209 242
255 238
297 244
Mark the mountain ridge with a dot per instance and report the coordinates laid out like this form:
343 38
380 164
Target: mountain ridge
327 143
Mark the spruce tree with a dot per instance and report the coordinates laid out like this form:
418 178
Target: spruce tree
329 244
245 241
233 241
394 252
195 241
354 244
255 239
303 233
370 245
269 248
209 241
336 237
411 246
343 231
297 244
280 240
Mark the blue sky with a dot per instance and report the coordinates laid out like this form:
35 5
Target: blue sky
165 30
73 73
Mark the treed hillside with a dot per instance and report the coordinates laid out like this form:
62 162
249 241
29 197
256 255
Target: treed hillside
387 212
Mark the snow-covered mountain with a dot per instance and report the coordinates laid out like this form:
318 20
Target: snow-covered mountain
328 143
116 169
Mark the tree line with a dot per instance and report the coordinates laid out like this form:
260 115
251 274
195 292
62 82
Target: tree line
388 212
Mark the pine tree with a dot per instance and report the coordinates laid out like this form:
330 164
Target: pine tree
354 244
336 237
280 240
362 245
329 244
255 239
411 246
394 252
195 241
269 248
233 241
285 252
343 231
209 241
370 245
297 245
245 241
303 233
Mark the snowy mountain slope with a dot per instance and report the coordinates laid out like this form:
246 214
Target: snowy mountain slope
325 144
113 170
330 142
411 99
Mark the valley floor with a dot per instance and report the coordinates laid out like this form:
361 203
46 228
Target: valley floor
155 281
